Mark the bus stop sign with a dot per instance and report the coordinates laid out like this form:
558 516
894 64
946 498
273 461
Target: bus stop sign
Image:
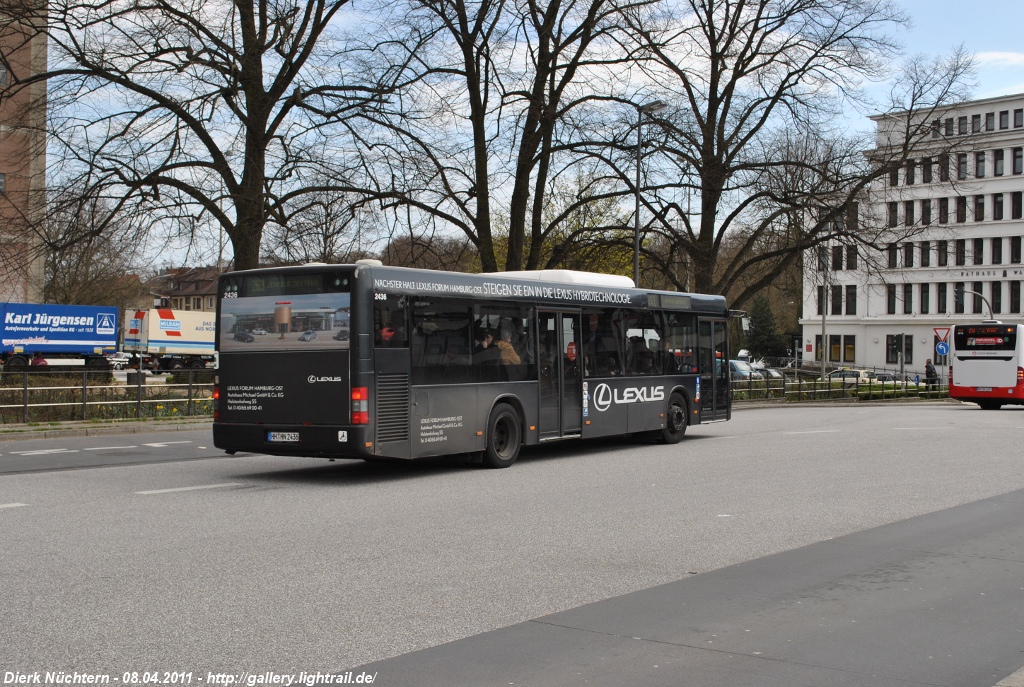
942 348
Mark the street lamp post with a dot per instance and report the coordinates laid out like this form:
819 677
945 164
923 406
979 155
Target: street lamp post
649 109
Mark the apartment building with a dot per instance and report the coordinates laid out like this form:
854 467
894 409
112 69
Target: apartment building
186 288
952 226
22 171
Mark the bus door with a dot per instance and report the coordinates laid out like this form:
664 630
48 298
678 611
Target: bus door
561 374
713 356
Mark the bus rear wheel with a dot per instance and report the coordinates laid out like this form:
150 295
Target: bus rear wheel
675 420
990 405
504 437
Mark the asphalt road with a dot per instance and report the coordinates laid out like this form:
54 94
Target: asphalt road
189 561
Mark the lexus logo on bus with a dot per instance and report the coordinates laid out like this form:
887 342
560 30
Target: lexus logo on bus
604 396
313 379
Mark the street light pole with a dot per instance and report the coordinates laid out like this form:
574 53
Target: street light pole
641 110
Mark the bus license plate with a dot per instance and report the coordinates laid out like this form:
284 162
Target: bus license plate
283 437
984 388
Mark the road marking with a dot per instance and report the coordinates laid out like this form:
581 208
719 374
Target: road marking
919 429
205 486
44 451
12 505
167 443
106 448
816 431
1015 680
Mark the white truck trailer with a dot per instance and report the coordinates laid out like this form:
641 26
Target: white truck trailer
165 339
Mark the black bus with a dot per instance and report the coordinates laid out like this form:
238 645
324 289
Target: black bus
367 361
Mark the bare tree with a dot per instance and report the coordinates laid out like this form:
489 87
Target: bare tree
196 108
751 144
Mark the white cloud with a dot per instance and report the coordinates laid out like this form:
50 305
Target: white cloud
1001 59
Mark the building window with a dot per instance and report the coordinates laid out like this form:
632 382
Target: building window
997 297
1015 205
1015 297
1018 160
894 212
822 258
1004 119
949 126
1018 118
979 165
961 125
908 299
849 348
943 253
893 342
961 209
978 252
926 170
837 258
821 303
997 206
892 256
940 298
944 167
837 300
975 124
926 211
958 298
943 210
926 254
925 294
979 208
997 251
977 304
960 250
890 298
1015 250
909 176
961 165
834 341
990 121
851 299
908 255
851 257
908 213
3 184
894 175
997 162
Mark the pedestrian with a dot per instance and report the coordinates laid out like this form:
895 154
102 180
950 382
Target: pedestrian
930 375
38 360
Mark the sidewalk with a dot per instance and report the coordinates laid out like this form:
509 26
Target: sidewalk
91 428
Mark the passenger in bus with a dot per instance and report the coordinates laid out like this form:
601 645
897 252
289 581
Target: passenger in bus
508 351
667 360
639 358
485 352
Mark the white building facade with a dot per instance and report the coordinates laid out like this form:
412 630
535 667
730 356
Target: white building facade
951 223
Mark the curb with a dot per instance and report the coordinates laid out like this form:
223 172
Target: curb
87 429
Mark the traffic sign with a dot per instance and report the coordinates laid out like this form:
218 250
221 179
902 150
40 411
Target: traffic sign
942 333
942 348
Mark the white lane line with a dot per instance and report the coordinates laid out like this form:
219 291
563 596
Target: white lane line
205 486
918 429
44 451
107 448
12 505
817 431
167 443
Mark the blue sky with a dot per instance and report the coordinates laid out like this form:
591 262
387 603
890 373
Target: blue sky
992 29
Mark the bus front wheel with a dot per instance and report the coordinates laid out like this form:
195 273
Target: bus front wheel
504 437
675 420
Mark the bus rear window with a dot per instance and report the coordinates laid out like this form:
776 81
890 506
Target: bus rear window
985 338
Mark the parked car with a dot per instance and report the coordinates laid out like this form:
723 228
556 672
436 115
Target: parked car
769 373
119 360
341 334
852 377
307 336
739 369
244 337
259 332
895 379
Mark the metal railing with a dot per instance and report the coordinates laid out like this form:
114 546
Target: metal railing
34 396
796 389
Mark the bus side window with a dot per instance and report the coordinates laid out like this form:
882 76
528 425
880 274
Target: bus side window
389 323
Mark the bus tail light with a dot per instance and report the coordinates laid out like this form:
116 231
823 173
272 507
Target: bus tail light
1020 376
216 403
360 405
